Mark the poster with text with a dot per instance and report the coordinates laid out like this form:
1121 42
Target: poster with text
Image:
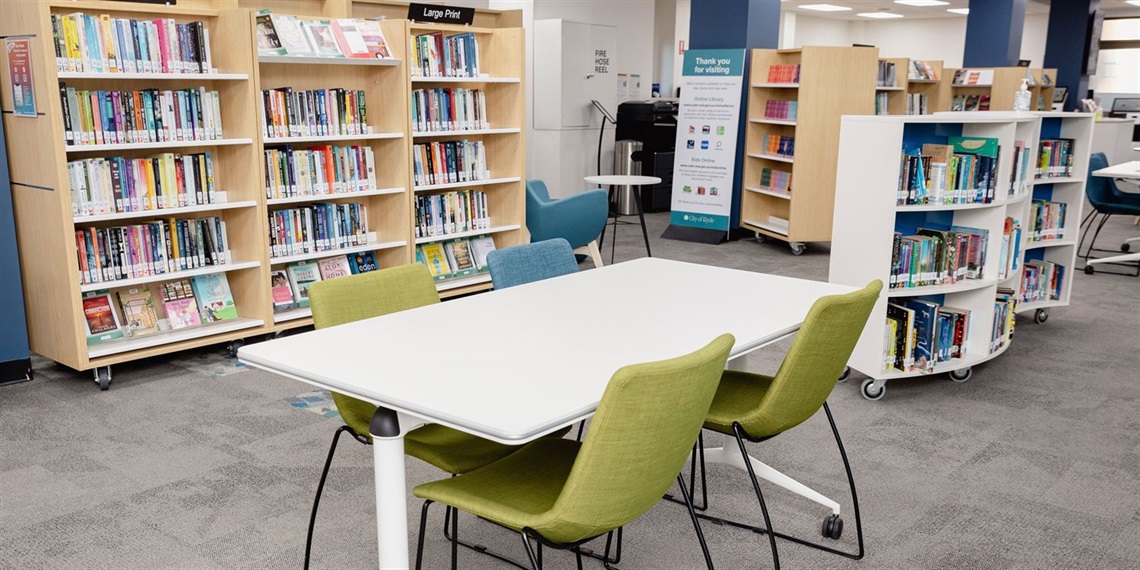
707 122
19 55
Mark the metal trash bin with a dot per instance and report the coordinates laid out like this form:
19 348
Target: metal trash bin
622 200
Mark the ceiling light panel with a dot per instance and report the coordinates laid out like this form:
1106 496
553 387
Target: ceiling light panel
824 7
922 2
962 11
880 15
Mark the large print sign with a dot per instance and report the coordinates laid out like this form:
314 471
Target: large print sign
706 138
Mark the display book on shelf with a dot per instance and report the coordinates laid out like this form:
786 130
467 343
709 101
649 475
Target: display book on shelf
795 100
993 89
956 301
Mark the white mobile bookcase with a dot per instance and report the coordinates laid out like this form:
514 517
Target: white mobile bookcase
867 217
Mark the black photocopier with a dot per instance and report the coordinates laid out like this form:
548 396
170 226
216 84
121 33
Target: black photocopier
654 124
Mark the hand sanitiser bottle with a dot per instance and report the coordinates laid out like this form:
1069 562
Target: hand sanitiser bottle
1021 98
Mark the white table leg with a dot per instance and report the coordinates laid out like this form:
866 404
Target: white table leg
388 429
1114 259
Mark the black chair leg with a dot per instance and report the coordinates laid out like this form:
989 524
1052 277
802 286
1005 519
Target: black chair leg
578 558
850 481
535 564
320 489
759 494
696 522
447 525
420 539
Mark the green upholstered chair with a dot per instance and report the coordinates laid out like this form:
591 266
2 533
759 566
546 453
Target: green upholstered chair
564 493
755 407
356 297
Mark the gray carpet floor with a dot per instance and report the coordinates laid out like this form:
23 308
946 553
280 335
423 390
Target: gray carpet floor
194 461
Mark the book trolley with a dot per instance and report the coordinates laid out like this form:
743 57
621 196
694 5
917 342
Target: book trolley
55 278
1019 247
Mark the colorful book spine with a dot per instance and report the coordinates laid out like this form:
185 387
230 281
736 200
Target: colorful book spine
149 116
449 109
449 162
786 73
317 227
89 43
1054 158
780 109
119 184
451 212
318 171
320 112
152 248
436 55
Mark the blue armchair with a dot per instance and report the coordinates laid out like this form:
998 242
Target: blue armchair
578 219
1107 200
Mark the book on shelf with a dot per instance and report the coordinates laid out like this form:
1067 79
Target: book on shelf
341 38
1042 281
779 145
780 109
1005 306
459 257
922 71
916 104
102 44
214 297
435 258
318 171
313 112
963 171
937 257
970 103
321 37
139 315
333 267
919 334
1054 158
449 162
449 109
317 227
1022 162
973 77
1008 259
302 275
451 212
146 116
362 262
886 75
784 73
119 184
180 304
1046 220
455 258
281 289
480 247
436 55
775 179
99 318
152 248
882 103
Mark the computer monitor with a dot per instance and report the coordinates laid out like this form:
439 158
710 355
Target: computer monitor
1124 105
1060 94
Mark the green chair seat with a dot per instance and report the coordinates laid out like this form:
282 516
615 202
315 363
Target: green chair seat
454 451
737 399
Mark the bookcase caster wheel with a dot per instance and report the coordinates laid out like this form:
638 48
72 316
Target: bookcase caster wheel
103 377
873 392
761 238
832 527
798 248
1125 247
234 346
1089 270
843 376
962 375
1040 315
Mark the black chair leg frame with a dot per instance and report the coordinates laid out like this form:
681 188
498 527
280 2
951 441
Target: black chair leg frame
1090 220
772 535
535 555
321 487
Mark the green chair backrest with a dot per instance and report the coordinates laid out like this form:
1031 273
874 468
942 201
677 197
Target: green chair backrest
363 296
813 364
639 439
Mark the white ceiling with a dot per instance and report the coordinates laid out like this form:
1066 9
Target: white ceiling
1112 8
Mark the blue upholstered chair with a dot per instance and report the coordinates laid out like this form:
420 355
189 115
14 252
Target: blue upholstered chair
531 262
578 219
1107 200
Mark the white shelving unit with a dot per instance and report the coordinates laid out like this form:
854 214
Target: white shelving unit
866 218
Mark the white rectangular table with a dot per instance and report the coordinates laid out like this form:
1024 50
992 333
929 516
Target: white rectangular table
515 364
1130 170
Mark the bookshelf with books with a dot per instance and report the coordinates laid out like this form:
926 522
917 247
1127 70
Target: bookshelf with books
935 207
134 175
927 89
786 197
993 89
891 86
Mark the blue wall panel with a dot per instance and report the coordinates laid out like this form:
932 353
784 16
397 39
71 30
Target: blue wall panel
14 355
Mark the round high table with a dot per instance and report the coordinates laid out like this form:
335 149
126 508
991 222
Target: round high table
613 181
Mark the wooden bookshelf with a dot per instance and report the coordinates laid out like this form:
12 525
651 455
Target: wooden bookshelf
867 218
936 91
833 82
895 93
1004 84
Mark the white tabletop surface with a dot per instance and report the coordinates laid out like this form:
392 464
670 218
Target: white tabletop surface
1125 170
513 364
623 180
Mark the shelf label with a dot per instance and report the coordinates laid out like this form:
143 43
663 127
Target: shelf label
707 123
19 52
441 14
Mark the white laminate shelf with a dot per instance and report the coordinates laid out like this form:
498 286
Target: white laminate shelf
293 315
776 157
155 76
771 121
155 145
889 88
169 276
472 233
943 207
458 282
923 80
1057 180
1050 243
768 227
335 252
297 59
769 192
165 212
481 79
468 132
963 285
334 196
776 85
172 336
331 138
470 183
942 367
1034 305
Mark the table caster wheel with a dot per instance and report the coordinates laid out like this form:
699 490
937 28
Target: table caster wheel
1040 315
798 248
833 527
872 392
1089 270
103 378
962 375
761 238
843 376
1125 247
234 346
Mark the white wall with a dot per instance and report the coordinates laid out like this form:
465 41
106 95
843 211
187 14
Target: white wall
680 35
664 46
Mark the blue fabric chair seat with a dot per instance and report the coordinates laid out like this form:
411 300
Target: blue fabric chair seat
532 262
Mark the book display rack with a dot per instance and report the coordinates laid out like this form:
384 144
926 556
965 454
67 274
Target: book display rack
201 156
956 271
927 89
992 89
786 197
